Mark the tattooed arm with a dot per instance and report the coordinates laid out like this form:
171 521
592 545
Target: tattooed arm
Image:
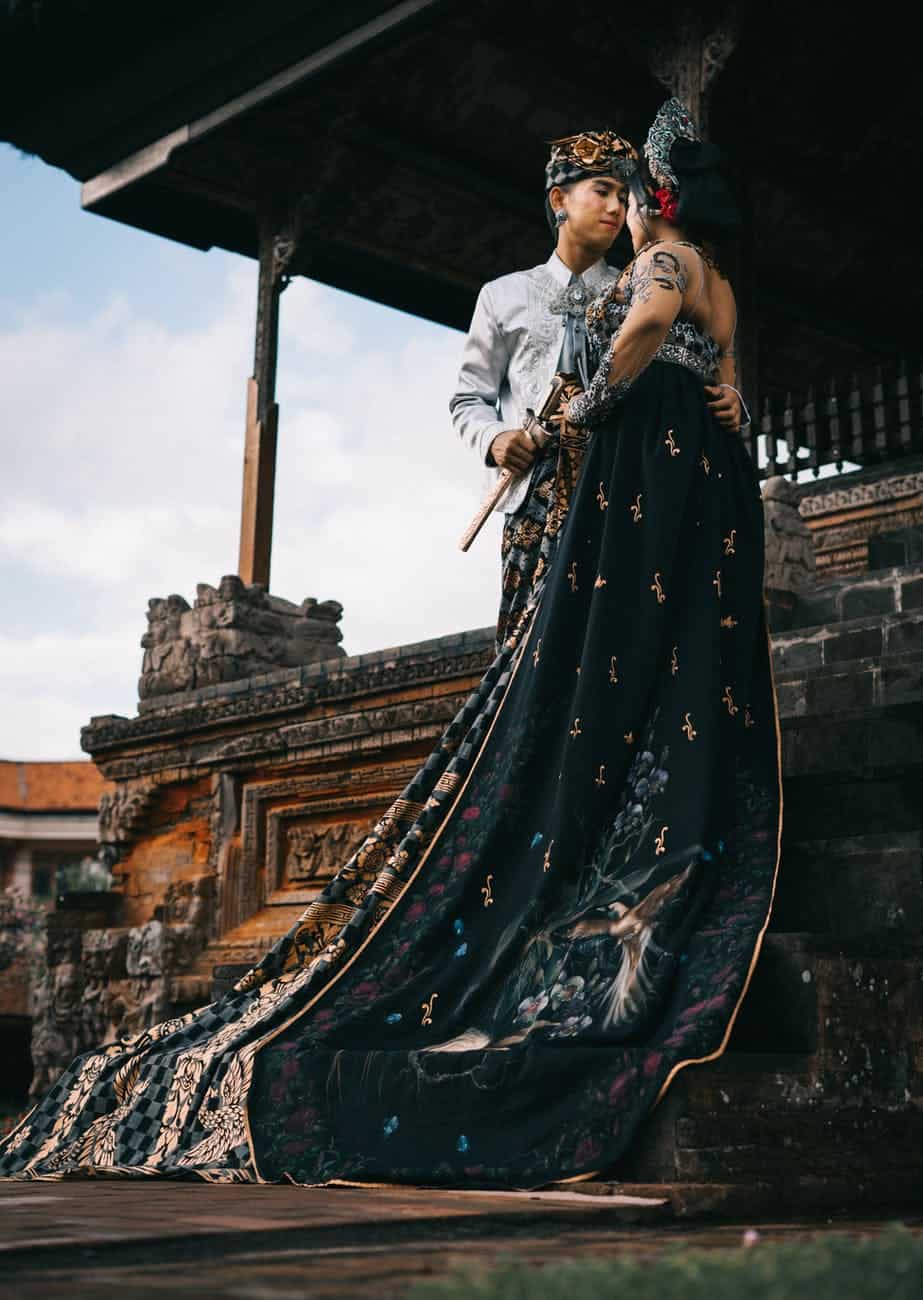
659 280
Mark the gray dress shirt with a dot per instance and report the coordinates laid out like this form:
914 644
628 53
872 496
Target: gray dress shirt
519 338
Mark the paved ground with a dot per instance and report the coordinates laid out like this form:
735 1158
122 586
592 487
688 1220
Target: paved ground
97 1239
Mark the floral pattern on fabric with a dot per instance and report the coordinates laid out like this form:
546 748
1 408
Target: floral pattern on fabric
563 907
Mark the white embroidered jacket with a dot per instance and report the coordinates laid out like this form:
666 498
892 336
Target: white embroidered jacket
510 356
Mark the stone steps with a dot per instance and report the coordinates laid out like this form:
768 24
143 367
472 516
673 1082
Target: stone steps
789 1194
824 1142
852 886
859 1005
770 1117
877 593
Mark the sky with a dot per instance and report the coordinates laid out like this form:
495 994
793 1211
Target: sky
123 367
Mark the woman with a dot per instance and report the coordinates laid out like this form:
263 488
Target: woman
565 907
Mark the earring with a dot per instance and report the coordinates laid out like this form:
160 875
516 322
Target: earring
560 217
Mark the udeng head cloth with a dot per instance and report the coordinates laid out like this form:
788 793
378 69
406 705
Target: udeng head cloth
592 153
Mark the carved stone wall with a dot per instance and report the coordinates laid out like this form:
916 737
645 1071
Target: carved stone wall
232 631
103 979
850 515
233 805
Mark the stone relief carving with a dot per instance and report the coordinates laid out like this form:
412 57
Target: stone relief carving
101 984
335 685
860 494
231 632
122 812
790 561
316 852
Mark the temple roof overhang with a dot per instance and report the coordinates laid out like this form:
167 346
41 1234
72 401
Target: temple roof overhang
414 134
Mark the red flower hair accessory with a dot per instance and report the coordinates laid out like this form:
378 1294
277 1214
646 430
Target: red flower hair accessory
668 203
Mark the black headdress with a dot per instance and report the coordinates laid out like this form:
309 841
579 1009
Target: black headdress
687 167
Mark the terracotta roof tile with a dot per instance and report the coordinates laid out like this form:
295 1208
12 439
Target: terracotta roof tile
51 787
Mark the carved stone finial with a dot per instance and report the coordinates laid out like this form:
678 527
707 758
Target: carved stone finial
233 631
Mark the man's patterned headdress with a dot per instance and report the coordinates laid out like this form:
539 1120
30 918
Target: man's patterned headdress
673 122
592 153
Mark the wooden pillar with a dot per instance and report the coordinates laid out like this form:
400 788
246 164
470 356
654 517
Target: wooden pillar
277 244
691 50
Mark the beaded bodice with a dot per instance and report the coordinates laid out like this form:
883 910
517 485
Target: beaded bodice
685 344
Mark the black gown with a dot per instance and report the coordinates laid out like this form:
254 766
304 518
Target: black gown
561 911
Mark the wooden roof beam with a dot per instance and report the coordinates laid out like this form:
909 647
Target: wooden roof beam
156 156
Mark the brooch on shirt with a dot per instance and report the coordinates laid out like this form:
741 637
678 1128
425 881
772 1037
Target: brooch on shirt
572 300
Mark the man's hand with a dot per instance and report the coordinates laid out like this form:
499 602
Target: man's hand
514 450
724 405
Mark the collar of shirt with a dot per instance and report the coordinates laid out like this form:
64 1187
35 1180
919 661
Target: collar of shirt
592 277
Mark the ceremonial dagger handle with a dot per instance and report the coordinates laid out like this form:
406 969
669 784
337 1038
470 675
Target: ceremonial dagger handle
534 426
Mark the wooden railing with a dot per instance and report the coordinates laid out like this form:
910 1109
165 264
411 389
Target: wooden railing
867 418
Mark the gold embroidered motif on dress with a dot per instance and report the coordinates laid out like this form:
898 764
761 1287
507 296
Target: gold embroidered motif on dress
601 779
601 497
613 673
670 441
704 462
487 892
224 1124
629 737
729 542
447 782
657 587
674 661
635 509
576 729
689 729
728 621
716 582
748 717
17 1140
600 582
546 862
537 653
728 699
572 575
427 1009
660 841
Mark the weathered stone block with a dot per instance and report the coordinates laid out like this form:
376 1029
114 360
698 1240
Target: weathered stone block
905 635
912 594
779 1013
868 598
792 698
857 643
813 608
104 953
901 683
838 691
147 950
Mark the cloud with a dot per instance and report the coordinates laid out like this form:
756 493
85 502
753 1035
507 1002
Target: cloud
122 441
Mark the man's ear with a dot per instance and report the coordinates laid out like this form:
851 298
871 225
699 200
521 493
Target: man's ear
556 198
